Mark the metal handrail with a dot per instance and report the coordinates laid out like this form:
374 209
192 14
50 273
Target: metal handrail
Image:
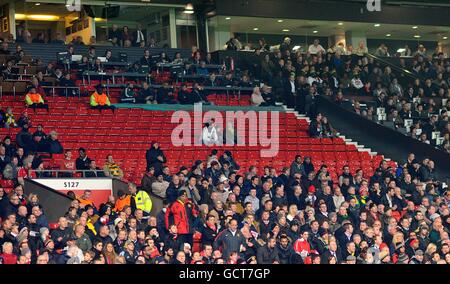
83 172
407 72
65 90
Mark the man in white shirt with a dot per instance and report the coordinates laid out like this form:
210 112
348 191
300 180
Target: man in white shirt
357 83
209 134
316 47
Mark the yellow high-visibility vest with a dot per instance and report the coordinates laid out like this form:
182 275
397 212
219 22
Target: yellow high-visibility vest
143 201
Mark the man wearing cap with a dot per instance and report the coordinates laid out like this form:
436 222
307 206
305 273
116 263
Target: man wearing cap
311 197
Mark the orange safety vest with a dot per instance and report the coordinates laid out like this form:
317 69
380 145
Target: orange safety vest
85 201
35 98
100 98
121 203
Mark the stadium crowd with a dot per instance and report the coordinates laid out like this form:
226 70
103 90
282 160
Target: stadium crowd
212 214
215 212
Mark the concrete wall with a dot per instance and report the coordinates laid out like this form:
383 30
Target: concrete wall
55 204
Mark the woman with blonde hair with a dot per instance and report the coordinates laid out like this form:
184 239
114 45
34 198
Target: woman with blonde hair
293 211
431 248
32 200
398 238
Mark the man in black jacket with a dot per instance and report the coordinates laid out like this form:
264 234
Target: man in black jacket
209 230
52 144
147 59
290 91
269 98
268 254
231 240
24 138
82 162
285 250
165 95
315 127
61 235
332 251
11 207
4 159
184 97
94 171
146 95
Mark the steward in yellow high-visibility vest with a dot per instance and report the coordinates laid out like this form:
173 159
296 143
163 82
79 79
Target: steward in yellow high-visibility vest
140 199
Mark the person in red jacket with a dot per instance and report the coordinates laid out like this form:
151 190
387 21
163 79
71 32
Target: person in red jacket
8 256
181 213
302 245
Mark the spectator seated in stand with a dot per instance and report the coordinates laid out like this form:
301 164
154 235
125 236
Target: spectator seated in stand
198 95
34 100
267 95
99 100
165 95
9 121
93 171
184 96
202 70
147 95
128 95
112 169
52 144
